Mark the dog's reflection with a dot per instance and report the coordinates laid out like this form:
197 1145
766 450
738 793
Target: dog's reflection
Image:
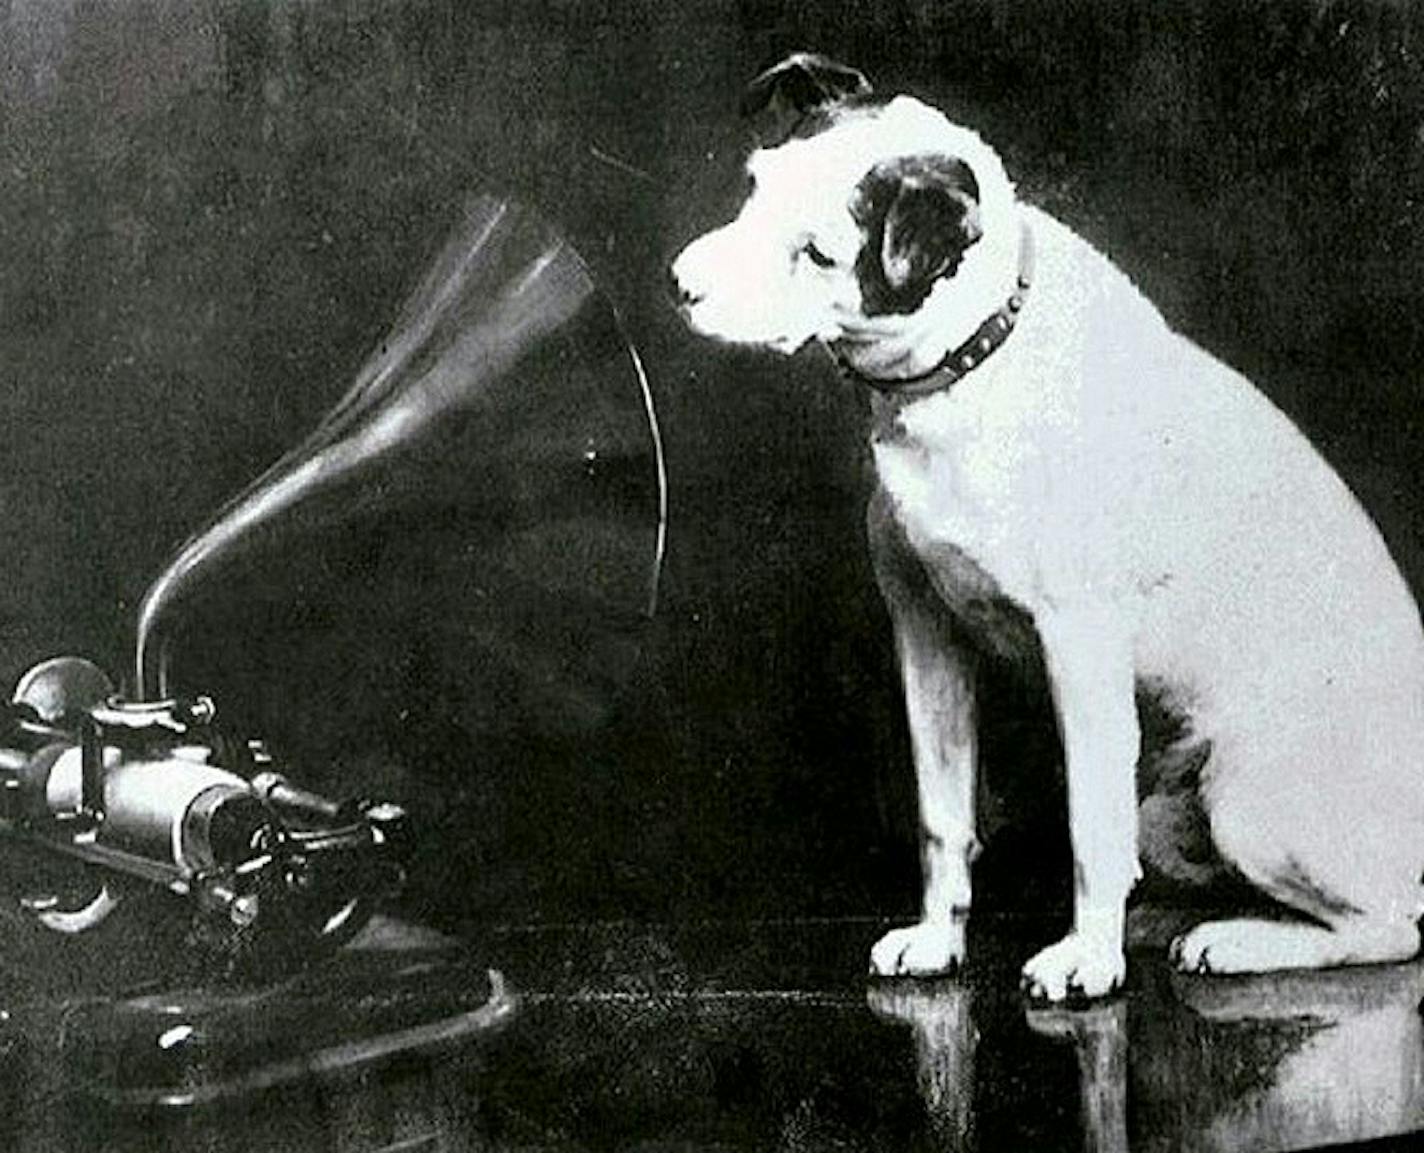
938 1013
1277 1062
1312 1058
1098 1034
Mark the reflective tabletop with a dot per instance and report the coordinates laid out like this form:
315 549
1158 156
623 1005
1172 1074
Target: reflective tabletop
722 1035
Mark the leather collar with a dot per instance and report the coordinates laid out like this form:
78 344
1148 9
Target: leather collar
961 361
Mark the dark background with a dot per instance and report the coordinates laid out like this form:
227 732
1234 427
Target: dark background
208 212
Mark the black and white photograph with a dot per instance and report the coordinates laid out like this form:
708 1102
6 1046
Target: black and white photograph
738 576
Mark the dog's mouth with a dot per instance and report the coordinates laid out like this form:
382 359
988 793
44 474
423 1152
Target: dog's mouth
711 317
679 295
783 343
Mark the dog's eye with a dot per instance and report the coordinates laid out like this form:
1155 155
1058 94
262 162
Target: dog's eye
816 256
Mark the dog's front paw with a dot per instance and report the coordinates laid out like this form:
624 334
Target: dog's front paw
923 950
1080 965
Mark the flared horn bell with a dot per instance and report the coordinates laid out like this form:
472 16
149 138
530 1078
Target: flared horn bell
506 404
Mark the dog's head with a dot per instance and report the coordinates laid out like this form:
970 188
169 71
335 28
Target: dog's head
877 226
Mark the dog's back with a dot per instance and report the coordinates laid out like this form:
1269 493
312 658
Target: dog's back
1265 595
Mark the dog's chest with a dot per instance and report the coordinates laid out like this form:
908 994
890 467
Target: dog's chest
965 511
966 502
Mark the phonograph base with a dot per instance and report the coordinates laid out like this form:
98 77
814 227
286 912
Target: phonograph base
380 1047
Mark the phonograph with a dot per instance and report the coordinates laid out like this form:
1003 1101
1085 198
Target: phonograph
187 895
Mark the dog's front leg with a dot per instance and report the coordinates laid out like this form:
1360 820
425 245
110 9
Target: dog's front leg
1089 661
938 684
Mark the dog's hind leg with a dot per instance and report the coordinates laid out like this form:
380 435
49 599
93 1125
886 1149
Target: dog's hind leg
1352 870
938 685
1252 945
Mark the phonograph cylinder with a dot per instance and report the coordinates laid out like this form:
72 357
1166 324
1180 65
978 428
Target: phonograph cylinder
498 457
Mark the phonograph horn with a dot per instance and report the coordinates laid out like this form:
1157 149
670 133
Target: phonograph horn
506 406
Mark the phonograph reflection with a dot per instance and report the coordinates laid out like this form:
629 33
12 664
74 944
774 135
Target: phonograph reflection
157 846
1179 1063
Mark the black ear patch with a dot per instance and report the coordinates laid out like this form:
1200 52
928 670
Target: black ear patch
804 83
918 215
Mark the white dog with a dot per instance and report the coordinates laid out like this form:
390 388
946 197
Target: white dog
1061 476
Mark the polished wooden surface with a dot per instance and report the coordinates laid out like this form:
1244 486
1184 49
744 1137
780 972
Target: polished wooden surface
718 1036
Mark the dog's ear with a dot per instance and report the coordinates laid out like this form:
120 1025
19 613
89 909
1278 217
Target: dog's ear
804 82
917 215
932 220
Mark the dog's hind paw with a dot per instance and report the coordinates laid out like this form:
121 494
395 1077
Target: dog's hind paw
1248 945
927 949
1079 966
